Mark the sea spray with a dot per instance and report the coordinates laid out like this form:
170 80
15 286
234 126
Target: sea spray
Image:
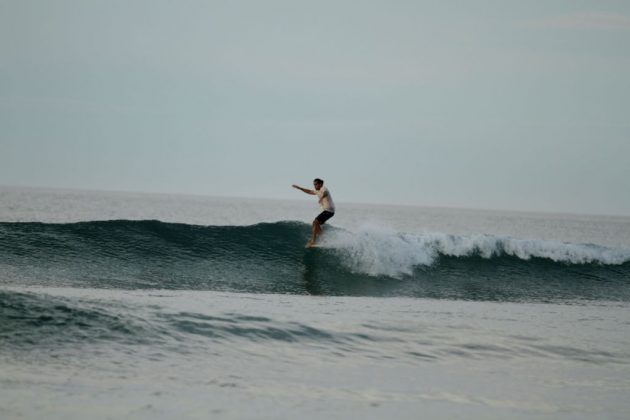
376 251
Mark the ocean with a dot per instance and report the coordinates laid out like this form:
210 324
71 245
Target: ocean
129 305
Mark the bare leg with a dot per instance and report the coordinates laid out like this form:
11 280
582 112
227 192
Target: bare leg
317 230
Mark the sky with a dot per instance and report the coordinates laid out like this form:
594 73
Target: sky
512 105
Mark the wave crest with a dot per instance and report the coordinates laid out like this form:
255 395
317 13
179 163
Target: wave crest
379 251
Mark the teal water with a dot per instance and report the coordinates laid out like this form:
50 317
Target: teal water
121 306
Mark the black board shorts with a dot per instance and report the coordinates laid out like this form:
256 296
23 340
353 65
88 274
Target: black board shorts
323 216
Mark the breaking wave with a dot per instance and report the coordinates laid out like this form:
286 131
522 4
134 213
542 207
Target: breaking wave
271 258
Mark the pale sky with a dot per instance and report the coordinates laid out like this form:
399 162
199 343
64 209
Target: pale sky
521 105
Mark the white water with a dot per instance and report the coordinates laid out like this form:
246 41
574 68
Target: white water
379 251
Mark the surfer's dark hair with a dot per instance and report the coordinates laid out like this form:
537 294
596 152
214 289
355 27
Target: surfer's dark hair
319 181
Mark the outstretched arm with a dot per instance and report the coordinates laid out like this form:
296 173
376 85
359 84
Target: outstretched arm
307 191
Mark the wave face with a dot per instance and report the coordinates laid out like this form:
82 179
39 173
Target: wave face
271 258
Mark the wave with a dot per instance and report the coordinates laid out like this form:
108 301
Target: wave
271 258
29 319
378 251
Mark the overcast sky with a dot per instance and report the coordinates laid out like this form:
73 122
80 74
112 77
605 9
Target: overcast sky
520 105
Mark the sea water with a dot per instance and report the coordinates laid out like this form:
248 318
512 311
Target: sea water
155 306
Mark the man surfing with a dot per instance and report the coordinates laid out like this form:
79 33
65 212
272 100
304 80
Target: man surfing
326 203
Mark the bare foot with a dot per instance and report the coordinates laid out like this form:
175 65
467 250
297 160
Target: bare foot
310 244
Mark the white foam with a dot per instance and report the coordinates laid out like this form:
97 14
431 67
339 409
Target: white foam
377 250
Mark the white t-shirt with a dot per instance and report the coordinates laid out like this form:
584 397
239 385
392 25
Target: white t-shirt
327 202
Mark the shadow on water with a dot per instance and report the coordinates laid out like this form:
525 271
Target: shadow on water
325 274
311 283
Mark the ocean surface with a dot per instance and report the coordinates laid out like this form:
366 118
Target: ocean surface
125 305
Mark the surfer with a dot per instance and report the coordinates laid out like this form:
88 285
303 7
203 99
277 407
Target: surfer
326 203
